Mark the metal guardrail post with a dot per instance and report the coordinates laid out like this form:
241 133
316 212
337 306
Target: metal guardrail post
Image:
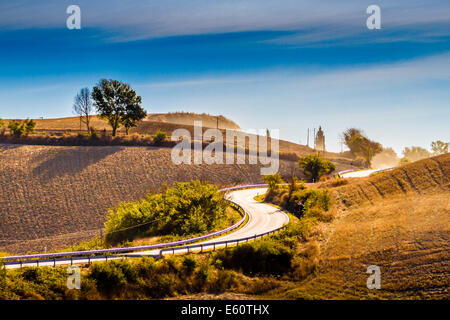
214 248
54 262
37 263
71 260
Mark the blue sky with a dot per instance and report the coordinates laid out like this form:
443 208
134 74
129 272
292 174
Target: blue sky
286 65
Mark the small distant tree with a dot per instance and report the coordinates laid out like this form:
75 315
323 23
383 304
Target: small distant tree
438 147
118 103
315 167
82 107
273 181
416 153
22 128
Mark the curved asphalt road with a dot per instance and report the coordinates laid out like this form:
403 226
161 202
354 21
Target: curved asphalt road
262 218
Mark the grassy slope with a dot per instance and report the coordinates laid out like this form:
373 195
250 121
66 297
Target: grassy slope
398 220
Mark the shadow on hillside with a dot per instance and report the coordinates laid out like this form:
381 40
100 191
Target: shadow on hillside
71 161
7 146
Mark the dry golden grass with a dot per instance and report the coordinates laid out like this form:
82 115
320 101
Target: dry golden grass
399 221
188 118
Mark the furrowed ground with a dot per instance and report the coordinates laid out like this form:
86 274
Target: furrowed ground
398 220
48 191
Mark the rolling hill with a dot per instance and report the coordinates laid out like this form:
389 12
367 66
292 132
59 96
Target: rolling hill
398 220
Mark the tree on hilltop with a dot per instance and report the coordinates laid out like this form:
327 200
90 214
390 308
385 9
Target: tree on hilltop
118 103
439 147
82 107
415 153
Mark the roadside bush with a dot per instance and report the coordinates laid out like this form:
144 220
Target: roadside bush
109 277
313 200
184 209
2 274
315 167
266 257
189 265
273 181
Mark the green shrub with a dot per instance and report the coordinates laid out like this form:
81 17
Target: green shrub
315 167
184 209
22 128
109 277
2 273
189 264
273 181
160 137
266 257
311 198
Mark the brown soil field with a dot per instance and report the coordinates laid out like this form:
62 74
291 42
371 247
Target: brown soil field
57 196
398 220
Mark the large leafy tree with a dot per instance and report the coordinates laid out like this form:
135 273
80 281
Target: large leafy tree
439 147
360 145
315 167
118 103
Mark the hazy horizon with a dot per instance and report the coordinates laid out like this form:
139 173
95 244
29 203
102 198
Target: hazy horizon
285 65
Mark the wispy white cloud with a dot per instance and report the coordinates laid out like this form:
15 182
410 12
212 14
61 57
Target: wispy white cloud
315 21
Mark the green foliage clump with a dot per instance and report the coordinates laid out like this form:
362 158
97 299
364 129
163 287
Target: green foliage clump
118 104
273 181
22 128
160 137
113 276
184 209
315 167
265 257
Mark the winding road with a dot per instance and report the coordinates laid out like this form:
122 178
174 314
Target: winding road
262 218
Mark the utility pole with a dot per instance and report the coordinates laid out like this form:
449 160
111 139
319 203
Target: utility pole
307 139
